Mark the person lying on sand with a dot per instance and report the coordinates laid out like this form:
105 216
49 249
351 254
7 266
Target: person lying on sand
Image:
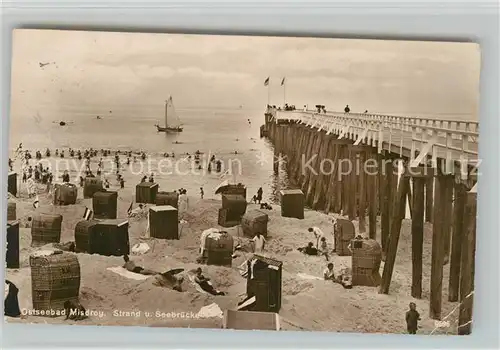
170 279
74 311
309 250
68 246
265 206
130 266
205 283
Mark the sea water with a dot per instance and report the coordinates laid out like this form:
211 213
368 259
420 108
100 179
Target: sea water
220 132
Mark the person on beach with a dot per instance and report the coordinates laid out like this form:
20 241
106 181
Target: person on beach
65 177
74 311
122 183
202 193
318 234
259 195
183 201
81 181
11 302
144 178
328 273
205 284
106 183
412 318
259 242
151 178
309 249
30 183
323 248
132 267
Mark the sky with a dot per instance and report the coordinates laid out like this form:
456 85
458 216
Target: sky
96 71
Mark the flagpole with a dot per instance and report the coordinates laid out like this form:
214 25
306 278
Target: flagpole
284 93
268 95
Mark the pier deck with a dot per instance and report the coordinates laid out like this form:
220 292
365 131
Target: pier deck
443 143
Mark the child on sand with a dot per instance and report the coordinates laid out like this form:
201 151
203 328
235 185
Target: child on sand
328 273
259 243
412 318
323 248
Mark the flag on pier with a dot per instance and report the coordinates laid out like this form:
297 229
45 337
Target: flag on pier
88 214
283 81
266 82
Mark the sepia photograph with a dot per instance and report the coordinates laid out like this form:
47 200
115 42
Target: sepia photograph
242 182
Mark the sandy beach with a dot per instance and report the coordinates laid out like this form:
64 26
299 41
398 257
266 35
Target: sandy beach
275 112
307 304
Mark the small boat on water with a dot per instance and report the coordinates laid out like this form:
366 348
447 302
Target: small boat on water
62 123
172 120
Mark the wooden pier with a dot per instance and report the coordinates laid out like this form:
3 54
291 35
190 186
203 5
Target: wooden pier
369 165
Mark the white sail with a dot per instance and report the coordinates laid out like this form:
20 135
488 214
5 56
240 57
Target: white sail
172 120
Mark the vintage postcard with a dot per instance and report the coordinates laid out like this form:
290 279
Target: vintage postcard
241 182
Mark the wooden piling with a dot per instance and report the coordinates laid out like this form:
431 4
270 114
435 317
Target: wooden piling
392 244
386 194
345 179
468 266
456 244
316 192
447 203
429 199
437 258
361 175
352 181
410 200
372 185
327 182
419 176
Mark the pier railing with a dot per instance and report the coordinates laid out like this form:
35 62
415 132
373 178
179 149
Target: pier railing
419 139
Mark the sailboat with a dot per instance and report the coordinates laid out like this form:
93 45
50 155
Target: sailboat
172 121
